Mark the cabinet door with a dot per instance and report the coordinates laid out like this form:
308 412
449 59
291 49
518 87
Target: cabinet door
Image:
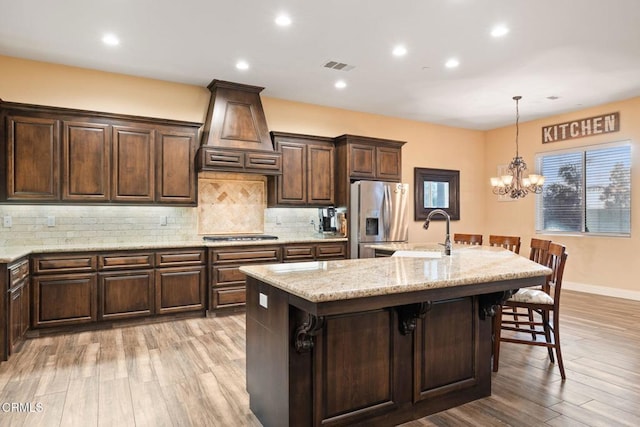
65 299
15 319
228 297
26 308
133 164
320 175
389 163
362 163
337 250
33 158
176 167
86 161
292 185
180 289
126 294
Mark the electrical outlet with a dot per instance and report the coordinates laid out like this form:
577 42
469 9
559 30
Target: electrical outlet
7 222
51 221
163 220
278 222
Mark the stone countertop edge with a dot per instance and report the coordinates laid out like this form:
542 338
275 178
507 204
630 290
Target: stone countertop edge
9 254
324 281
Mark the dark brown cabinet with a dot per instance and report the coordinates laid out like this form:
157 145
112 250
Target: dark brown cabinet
57 155
18 310
307 171
227 283
33 162
133 164
365 158
180 281
64 299
175 165
86 154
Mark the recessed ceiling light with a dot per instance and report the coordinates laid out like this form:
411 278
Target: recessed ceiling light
283 20
242 65
340 84
110 40
553 97
452 63
399 50
499 31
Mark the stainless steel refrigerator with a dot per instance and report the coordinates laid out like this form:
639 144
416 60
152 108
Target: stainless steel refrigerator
378 214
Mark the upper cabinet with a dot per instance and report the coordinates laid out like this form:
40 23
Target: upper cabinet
236 137
57 155
365 158
307 171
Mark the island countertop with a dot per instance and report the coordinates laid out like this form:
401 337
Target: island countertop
424 269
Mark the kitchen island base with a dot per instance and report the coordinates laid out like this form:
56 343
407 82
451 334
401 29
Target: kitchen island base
369 361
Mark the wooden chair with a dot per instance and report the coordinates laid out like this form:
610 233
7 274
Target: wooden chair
467 239
508 242
544 304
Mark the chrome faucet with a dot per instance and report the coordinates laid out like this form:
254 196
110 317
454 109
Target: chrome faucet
447 238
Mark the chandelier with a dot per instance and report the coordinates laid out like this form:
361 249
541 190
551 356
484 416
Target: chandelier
515 184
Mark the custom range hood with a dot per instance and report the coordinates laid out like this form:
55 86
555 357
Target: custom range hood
236 137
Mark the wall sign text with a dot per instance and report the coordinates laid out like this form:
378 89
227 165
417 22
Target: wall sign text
604 123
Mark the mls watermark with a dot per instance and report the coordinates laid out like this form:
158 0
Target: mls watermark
21 407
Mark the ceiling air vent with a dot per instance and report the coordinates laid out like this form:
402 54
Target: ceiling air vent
340 66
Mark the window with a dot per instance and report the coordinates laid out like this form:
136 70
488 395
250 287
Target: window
586 191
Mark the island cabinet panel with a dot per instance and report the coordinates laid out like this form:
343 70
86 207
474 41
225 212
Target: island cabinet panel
64 299
180 289
86 154
33 158
18 306
133 164
361 345
447 341
124 295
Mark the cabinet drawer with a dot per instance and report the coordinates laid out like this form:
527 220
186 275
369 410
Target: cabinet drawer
265 161
224 158
229 297
178 258
125 260
223 276
19 272
64 263
254 254
298 253
337 251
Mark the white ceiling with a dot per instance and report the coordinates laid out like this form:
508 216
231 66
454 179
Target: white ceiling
585 52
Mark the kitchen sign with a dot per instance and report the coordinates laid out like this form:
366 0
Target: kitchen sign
605 123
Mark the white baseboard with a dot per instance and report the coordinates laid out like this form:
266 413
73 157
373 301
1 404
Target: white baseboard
601 290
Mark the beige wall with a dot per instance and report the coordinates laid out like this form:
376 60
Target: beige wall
597 264
606 265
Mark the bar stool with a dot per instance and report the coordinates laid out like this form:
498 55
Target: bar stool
508 242
467 239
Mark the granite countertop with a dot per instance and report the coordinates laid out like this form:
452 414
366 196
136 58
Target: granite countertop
323 281
12 253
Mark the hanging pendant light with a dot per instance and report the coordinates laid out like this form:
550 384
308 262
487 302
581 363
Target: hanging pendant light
515 184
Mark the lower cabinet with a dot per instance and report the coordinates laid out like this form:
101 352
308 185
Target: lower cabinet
227 283
124 295
180 289
64 299
18 316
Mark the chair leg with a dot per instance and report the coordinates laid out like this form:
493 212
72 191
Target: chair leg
533 328
556 340
497 328
547 333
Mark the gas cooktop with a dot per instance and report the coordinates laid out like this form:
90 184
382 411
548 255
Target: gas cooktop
239 237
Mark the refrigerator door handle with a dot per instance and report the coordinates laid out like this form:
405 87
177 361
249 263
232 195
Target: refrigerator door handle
386 212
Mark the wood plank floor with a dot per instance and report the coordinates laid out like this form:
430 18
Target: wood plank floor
191 373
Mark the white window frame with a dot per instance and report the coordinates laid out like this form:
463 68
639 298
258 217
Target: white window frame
583 149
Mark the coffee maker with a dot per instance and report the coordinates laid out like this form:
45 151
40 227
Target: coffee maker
327 217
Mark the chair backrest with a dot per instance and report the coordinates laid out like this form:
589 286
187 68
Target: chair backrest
539 251
508 242
556 262
468 239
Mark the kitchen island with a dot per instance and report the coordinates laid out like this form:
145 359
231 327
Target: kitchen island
376 341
